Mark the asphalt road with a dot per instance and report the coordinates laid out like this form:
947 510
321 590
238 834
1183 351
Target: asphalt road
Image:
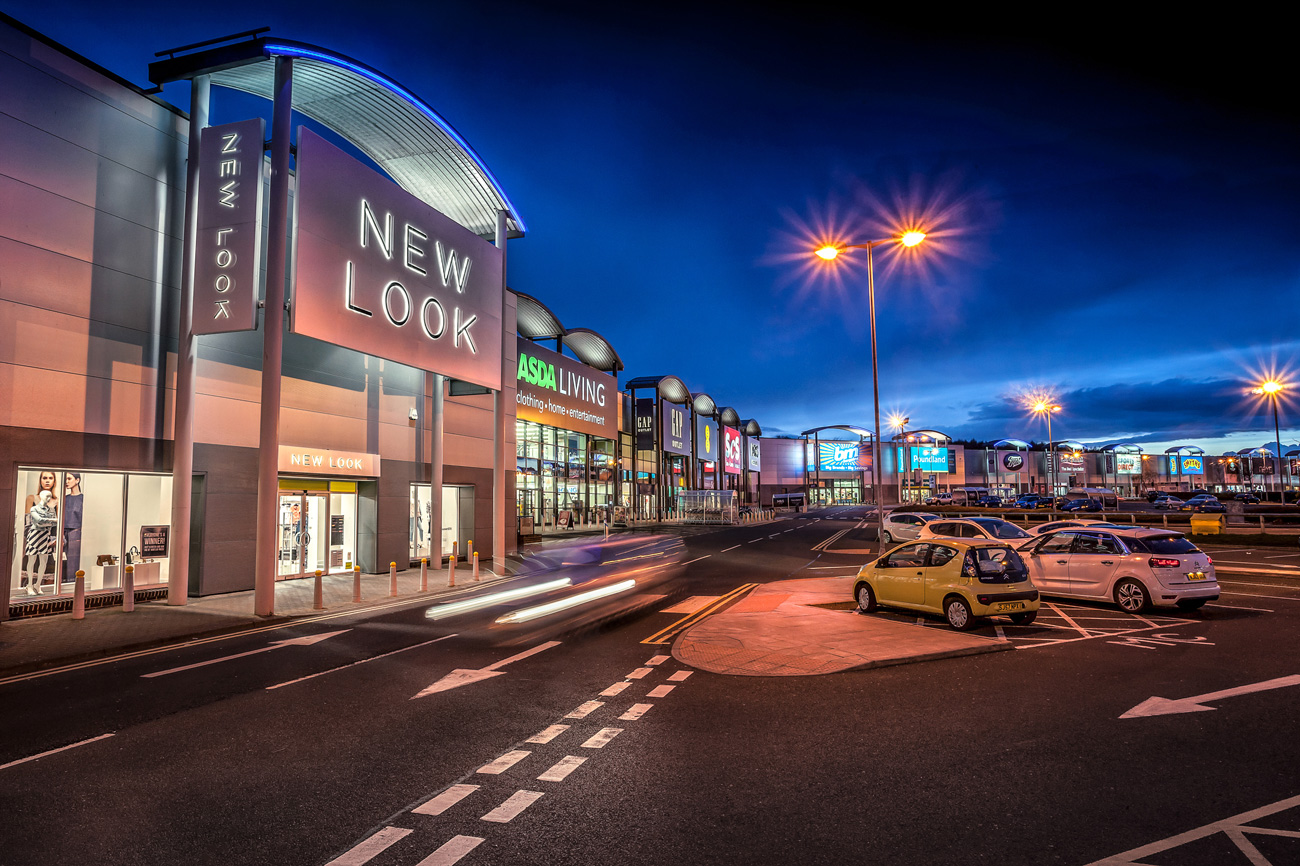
318 753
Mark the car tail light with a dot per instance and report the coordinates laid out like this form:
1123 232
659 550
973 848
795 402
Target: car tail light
1164 562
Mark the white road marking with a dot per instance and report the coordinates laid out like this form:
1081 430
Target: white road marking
274 645
1281 556
1002 635
829 567
615 689
445 800
54 751
636 712
599 739
697 559
548 734
354 664
733 547
1074 625
562 769
585 710
463 676
1241 569
1271 585
503 763
692 604
451 851
660 691
756 540
365 851
657 660
1257 595
1242 607
639 673
1155 706
679 676
518 802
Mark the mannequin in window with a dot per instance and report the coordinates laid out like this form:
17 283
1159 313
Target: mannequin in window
41 522
72 504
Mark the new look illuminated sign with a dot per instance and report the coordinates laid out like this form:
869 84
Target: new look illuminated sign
228 244
381 272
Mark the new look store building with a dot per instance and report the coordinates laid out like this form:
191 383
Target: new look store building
225 369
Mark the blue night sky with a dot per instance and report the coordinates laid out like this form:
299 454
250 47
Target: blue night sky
1112 203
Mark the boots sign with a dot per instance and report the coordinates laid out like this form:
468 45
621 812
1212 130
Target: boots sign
379 271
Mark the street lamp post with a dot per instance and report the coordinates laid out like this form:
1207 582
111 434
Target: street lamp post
829 253
1271 389
900 423
1045 408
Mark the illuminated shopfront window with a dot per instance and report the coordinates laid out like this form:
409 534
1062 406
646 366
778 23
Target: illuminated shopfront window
97 522
562 478
457 519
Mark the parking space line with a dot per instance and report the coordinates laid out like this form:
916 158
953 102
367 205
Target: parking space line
1065 616
562 768
366 850
510 809
1257 595
445 800
1242 607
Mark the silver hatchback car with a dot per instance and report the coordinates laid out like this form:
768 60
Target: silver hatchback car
905 526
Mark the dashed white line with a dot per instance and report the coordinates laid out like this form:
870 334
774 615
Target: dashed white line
659 691
507 811
445 800
365 851
547 734
54 751
679 676
636 712
503 763
585 710
697 559
733 547
754 541
638 673
562 769
599 739
615 689
451 851
354 664
657 660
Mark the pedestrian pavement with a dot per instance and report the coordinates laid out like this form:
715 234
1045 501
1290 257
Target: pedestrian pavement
776 631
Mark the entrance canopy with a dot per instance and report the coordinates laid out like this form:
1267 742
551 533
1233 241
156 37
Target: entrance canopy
392 126
860 432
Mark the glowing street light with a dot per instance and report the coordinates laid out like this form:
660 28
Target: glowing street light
1271 389
1045 408
830 253
899 423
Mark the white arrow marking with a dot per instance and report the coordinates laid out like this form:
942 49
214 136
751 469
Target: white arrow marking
275 644
463 676
1165 706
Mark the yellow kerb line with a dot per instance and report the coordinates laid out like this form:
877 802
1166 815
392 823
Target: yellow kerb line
665 635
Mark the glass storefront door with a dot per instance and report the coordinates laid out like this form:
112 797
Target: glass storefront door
318 530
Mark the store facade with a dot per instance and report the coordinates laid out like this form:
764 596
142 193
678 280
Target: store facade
394 380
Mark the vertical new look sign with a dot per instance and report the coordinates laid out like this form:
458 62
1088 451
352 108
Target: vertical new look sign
228 244
379 271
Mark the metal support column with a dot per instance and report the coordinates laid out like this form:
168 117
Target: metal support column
437 426
268 456
499 457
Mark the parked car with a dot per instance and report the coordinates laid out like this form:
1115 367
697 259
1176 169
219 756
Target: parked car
1248 498
962 579
1081 505
974 527
1053 525
1034 500
1134 568
1206 504
1166 501
905 526
989 501
939 499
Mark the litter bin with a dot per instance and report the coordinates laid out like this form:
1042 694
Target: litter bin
1207 524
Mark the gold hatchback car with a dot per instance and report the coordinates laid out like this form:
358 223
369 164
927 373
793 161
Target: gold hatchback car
962 578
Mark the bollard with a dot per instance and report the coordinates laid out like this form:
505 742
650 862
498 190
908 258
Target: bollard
356 583
451 568
469 550
424 574
1261 524
79 597
476 565
607 532
318 597
128 589
392 580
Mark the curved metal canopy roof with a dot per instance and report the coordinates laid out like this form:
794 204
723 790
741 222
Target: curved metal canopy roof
1015 444
534 320
1068 445
848 428
750 427
1123 448
592 349
704 405
933 434
392 126
728 417
671 388
1184 449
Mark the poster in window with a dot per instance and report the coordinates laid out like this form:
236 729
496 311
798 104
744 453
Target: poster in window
336 530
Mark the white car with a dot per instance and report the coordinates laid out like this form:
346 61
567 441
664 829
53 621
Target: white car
1053 525
1134 568
975 527
905 526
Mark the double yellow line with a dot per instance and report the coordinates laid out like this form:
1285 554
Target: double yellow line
666 635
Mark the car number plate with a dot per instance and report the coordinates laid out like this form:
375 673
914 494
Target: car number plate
1004 606
1196 575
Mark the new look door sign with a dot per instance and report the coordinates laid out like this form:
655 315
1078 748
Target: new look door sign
676 431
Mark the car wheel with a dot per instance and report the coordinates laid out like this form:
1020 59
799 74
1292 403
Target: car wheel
1132 596
1192 603
866 598
1024 618
958 613
887 538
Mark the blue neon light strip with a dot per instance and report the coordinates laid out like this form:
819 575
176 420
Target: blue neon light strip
287 50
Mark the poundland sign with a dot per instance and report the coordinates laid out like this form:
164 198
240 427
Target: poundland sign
561 392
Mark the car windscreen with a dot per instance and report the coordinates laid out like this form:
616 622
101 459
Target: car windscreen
1166 544
995 565
1002 529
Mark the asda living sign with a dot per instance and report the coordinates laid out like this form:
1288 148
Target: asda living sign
565 393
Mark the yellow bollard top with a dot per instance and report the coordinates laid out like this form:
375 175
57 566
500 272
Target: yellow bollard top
319 572
80 573
424 559
392 564
131 568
